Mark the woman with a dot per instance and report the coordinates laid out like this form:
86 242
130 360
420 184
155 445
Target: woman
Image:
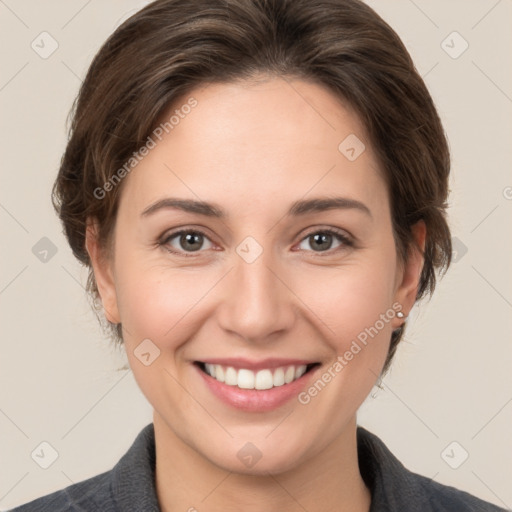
294 143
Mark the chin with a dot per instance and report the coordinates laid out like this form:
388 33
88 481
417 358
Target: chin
272 465
249 460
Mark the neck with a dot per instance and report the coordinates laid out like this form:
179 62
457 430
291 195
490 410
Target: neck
329 481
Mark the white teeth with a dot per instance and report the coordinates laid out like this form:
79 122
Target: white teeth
289 374
262 379
210 368
245 379
219 373
278 379
231 378
300 371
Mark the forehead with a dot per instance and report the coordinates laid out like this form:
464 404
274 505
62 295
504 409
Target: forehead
257 143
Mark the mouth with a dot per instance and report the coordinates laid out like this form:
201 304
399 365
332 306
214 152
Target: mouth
261 379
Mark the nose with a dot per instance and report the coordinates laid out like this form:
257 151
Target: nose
258 305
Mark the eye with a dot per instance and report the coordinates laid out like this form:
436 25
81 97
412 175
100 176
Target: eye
187 240
323 239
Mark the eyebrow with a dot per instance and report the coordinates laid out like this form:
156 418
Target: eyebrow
301 207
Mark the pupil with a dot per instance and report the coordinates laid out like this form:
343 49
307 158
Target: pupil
322 238
190 239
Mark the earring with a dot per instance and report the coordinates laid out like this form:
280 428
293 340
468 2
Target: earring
400 314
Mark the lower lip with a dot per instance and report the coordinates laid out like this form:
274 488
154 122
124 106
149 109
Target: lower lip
256 400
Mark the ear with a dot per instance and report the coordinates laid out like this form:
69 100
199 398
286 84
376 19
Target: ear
103 272
408 277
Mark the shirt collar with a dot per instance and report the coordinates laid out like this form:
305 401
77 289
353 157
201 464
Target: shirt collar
391 485
384 474
133 477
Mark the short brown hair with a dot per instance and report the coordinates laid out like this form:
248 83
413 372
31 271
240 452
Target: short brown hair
170 47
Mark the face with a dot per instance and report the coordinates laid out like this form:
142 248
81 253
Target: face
270 288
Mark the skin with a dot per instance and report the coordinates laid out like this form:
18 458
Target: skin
254 149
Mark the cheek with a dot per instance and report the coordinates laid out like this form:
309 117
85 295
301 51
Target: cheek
349 299
359 316
158 304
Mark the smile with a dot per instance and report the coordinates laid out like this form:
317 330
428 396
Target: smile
262 379
255 386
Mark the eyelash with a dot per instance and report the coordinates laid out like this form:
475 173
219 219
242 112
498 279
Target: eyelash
337 234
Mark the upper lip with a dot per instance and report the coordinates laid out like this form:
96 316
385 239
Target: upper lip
248 364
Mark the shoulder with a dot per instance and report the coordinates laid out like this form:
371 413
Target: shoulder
444 498
395 488
91 494
129 485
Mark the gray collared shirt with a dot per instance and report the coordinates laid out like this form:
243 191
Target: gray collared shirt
130 485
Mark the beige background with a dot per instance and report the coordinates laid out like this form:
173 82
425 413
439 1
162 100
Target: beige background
451 380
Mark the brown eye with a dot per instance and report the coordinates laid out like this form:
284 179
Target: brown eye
185 241
321 241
